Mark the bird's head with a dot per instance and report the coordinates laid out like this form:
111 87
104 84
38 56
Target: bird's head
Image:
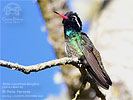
71 21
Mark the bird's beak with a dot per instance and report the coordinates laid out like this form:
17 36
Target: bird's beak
64 17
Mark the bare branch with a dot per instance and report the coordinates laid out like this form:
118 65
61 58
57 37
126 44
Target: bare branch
41 66
49 64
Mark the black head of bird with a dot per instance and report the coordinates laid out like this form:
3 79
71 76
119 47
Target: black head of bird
71 21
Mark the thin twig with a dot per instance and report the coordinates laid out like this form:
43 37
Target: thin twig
84 81
79 91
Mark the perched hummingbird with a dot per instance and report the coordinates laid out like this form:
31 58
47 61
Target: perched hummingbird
78 44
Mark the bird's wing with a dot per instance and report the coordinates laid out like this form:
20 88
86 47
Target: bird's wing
95 67
97 54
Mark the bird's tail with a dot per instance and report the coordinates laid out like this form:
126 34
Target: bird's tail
103 79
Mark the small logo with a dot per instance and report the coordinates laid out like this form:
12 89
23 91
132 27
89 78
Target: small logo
12 13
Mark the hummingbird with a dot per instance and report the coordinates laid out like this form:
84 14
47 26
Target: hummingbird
78 44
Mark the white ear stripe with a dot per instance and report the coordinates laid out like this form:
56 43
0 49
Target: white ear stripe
76 20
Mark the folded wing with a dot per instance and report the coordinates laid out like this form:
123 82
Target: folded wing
95 66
